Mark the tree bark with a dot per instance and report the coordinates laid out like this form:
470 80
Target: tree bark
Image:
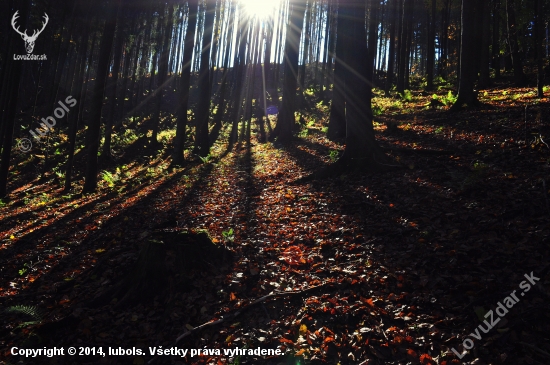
391 51
468 70
181 125
484 55
517 62
496 38
12 89
202 146
430 62
362 151
163 69
114 80
286 120
539 36
92 137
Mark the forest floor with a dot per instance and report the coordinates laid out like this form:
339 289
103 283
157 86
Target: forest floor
392 268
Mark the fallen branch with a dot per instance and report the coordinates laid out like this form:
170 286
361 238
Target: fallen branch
536 349
241 310
422 152
248 306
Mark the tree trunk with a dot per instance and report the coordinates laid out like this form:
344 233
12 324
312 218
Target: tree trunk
224 81
286 120
362 150
106 153
443 62
73 119
181 125
202 145
496 38
402 49
539 36
431 49
517 63
337 116
484 55
92 137
391 52
12 89
305 54
163 70
468 70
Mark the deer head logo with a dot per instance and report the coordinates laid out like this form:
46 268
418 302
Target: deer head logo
29 40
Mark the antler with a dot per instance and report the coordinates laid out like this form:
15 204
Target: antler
13 19
36 33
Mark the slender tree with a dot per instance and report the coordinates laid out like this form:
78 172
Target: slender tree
539 37
468 70
106 152
286 121
202 146
92 137
337 116
496 38
517 62
430 62
181 124
11 92
484 19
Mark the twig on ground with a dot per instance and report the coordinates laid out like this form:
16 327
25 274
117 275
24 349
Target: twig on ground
542 352
246 307
238 312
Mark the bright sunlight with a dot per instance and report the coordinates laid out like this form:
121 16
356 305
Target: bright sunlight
260 8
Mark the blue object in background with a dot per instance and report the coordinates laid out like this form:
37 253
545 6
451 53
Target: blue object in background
271 110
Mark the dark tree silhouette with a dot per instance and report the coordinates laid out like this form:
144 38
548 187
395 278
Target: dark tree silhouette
92 137
468 70
181 126
286 121
202 146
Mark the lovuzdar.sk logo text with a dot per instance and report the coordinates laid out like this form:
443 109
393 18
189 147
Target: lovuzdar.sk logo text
28 39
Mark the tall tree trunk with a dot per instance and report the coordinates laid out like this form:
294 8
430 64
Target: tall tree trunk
202 145
337 116
468 70
374 22
163 69
305 53
73 117
293 31
431 48
217 23
402 49
224 80
517 63
496 38
11 101
444 60
484 55
394 18
361 150
181 125
114 80
238 69
92 137
326 55
539 36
